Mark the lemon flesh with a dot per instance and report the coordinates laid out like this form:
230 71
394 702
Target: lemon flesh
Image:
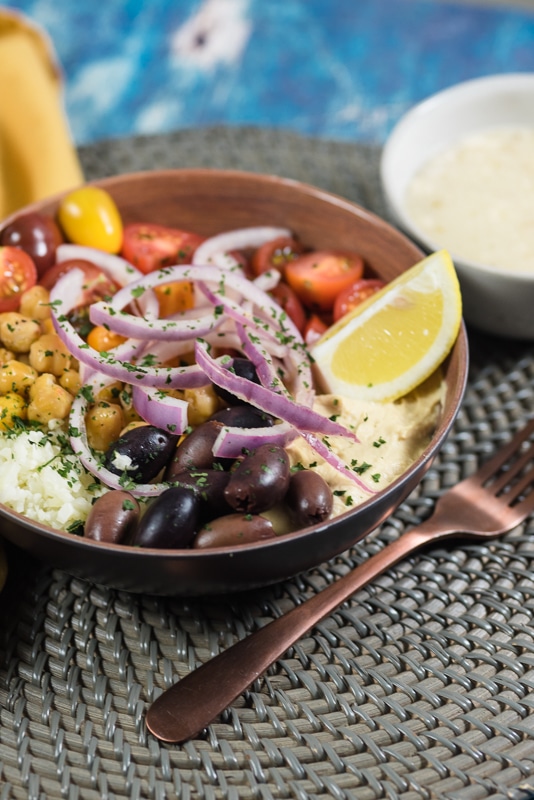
392 342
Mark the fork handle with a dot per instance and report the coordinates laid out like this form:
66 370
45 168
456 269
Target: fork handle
188 706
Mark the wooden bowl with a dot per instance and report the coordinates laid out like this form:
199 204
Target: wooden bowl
210 201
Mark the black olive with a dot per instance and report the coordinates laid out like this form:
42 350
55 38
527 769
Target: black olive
309 498
245 369
260 480
140 453
171 520
243 416
112 518
234 530
195 451
209 486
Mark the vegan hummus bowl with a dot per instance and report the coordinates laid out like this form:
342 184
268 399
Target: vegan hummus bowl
196 391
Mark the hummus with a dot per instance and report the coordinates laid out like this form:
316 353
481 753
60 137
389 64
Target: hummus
391 437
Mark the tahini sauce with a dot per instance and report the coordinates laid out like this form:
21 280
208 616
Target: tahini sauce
477 198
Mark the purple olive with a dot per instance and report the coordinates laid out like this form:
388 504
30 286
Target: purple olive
309 498
170 521
259 481
36 234
113 518
233 530
140 453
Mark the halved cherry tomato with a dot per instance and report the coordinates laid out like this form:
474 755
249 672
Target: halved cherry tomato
353 295
276 254
319 277
97 285
17 274
149 246
314 329
286 297
90 217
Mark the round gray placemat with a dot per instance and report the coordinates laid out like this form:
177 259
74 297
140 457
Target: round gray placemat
420 687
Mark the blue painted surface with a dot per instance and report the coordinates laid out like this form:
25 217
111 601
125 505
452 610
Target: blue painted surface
339 69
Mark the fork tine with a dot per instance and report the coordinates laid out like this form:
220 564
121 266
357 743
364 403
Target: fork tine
504 454
524 508
514 469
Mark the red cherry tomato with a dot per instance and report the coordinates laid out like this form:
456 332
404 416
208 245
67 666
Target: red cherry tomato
96 286
275 254
320 276
353 295
17 274
286 297
149 246
36 234
314 329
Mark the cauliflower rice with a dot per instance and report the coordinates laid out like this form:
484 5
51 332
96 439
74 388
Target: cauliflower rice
41 478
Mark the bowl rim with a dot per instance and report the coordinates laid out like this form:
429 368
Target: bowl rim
460 352
479 88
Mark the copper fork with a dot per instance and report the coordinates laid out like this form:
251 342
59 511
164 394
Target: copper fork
492 501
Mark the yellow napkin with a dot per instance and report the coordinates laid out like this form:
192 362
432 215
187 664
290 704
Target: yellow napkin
37 155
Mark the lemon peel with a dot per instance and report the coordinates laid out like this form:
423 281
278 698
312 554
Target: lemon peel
392 342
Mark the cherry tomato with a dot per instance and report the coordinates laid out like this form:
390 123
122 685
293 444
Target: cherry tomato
90 217
275 254
17 274
318 277
149 246
36 234
286 297
353 295
314 329
97 285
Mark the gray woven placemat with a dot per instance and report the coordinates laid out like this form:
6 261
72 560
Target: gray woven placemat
422 686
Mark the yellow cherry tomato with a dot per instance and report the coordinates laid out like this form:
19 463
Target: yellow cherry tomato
90 217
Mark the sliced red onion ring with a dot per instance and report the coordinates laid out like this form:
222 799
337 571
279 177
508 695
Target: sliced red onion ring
80 446
301 417
329 456
268 280
217 249
68 287
160 409
120 270
187 326
231 442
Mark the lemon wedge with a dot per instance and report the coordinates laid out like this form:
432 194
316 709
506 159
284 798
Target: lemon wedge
393 341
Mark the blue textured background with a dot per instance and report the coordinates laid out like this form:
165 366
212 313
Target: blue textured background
341 69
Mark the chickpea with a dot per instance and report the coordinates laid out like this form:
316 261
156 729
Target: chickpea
71 381
49 354
48 400
15 376
47 326
110 393
17 332
12 405
6 355
34 303
104 423
203 402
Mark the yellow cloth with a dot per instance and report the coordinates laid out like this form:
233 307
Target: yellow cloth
37 156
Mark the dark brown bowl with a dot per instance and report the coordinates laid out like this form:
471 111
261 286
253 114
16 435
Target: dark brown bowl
210 201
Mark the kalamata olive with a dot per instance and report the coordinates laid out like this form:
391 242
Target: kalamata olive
209 486
195 451
233 530
140 453
260 480
244 368
113 518
171 520
243 417
37 234
309 497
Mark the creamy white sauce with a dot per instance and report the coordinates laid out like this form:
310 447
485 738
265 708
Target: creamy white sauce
477 198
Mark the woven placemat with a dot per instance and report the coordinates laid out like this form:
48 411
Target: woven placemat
421 686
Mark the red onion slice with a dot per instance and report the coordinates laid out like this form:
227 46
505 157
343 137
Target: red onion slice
301 417
160 409
217 249
329 456
232 442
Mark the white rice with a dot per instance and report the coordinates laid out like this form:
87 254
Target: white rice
40 479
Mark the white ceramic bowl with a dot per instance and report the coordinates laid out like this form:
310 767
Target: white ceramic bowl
497 301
